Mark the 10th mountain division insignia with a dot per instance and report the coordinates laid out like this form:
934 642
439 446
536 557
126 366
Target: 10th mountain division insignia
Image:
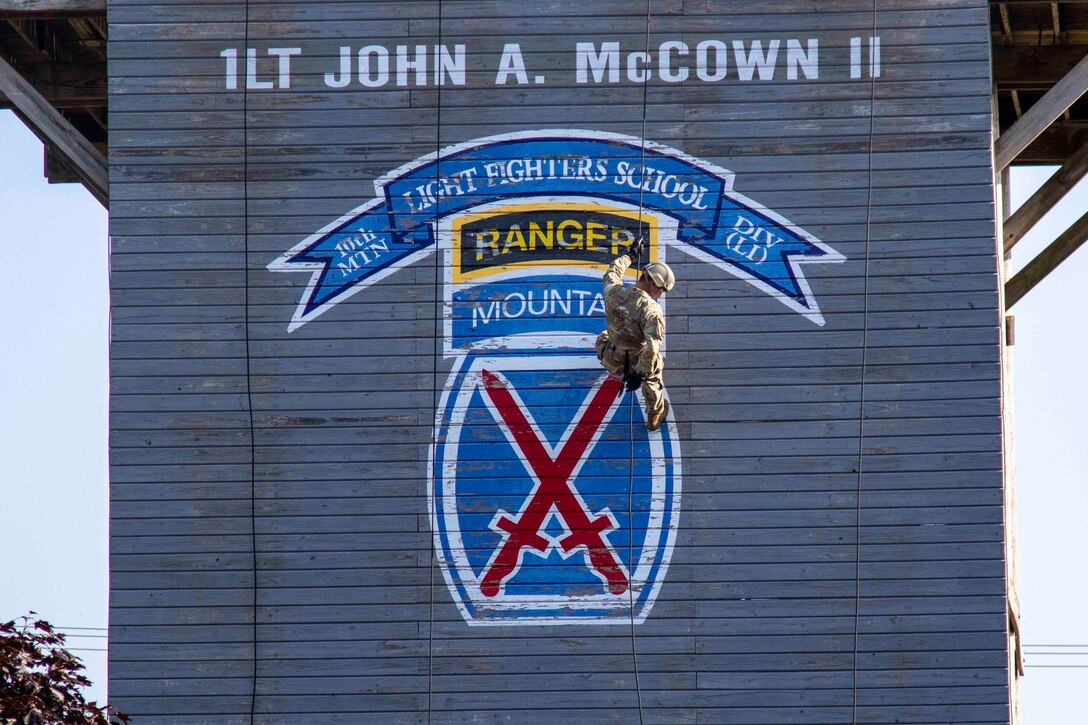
549 500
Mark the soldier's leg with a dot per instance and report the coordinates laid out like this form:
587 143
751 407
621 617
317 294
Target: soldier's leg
611 359
653 392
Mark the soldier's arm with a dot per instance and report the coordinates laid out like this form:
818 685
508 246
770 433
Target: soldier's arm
614 275
653 328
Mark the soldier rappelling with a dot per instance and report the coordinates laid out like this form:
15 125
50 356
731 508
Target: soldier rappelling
630 346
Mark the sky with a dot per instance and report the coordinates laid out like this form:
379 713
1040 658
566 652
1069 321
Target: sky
53 427
53 409
1051 457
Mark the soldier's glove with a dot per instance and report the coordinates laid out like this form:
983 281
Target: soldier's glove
636 249
633 381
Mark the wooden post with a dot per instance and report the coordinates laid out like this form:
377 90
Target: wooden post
1047 261
87 160
1063 95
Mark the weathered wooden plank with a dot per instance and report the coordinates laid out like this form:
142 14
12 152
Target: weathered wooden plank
893 487
887 168
51 8
768 617
750 424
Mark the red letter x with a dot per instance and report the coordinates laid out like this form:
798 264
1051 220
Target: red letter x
554 489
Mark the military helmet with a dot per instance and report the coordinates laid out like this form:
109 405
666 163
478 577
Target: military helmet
661 275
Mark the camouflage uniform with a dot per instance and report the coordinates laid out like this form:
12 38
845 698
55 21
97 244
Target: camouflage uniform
635 331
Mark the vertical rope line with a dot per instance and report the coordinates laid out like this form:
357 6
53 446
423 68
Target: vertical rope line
631 545
645 103
438 320
634 394
249 375
864 363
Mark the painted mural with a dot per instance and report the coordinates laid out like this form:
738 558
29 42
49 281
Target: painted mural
550 502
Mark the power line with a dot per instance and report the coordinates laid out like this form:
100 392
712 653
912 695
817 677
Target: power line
93 629
1056 667
85 636
1063 651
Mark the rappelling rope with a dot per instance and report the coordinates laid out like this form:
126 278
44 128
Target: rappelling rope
631 563
434 378
864 362
249 389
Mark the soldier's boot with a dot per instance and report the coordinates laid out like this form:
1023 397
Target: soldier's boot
654 421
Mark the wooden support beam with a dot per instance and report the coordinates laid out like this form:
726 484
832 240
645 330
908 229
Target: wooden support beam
30 32
1055 18
1034 67
66 103
1056 144
1044 199
98 115
1003 11
1014 630
1063 95
88 36
66 85
58 169
1016 105
1048 260
51 8
98 22
85 157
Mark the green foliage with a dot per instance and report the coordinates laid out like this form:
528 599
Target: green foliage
40 681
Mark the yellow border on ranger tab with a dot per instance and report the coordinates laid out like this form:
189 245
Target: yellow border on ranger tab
649 220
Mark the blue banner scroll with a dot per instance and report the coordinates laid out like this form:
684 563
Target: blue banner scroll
712 223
